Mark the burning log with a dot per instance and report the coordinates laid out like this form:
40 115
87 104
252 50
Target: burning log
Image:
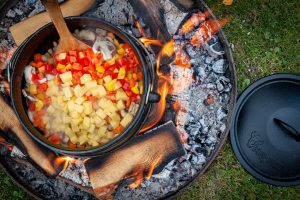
184 5
13 131
146 154
150 12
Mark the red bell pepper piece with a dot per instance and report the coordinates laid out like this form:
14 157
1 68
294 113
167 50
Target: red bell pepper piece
73 53
37 58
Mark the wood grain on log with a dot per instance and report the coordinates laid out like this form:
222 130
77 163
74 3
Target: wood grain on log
40 157
143 155
151 13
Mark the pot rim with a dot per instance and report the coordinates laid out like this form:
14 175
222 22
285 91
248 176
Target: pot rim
121 138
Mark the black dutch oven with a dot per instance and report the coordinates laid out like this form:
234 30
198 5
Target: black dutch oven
41 41
265 134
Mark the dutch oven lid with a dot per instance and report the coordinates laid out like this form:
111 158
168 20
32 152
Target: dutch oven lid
265 134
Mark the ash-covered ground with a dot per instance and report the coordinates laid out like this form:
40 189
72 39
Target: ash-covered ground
202 115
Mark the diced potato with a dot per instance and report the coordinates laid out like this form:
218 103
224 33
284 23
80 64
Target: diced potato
109 135
80 100
91 85
66 77
115 117
74 127
86 123
78 108
118 85
94 143
102 130
101 113
120 105
114 124
92 128
67 84
121 95
74 114
79 91
123 113
126 120
107 105
85 78
76 121
97 121
82 139
99 91
51 109
71 105
74 139
88 107
107 79
67 119
67 92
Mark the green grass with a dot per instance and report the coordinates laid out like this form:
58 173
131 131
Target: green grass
266 39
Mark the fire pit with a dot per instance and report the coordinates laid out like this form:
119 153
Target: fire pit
195 77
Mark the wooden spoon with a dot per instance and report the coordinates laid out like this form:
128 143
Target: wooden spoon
67 41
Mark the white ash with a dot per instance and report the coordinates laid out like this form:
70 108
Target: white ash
118 12
76 172
17 153
173 16
48 188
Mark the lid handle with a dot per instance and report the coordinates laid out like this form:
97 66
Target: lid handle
291 130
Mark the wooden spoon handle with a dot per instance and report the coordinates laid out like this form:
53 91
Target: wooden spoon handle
57 18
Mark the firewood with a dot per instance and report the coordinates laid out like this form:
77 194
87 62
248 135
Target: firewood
41 157
144 155
150 12
184 5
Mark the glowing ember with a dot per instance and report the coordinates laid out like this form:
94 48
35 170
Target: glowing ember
139 173
6 144
64 160
207 30
193 22
138 25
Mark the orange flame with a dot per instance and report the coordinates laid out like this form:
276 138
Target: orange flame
64 160
138 174
138 25
147 42
160 107
152 166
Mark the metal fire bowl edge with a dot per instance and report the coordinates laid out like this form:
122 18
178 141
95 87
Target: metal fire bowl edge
199 5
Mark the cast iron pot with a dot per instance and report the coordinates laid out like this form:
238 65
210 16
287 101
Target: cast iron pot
41 41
